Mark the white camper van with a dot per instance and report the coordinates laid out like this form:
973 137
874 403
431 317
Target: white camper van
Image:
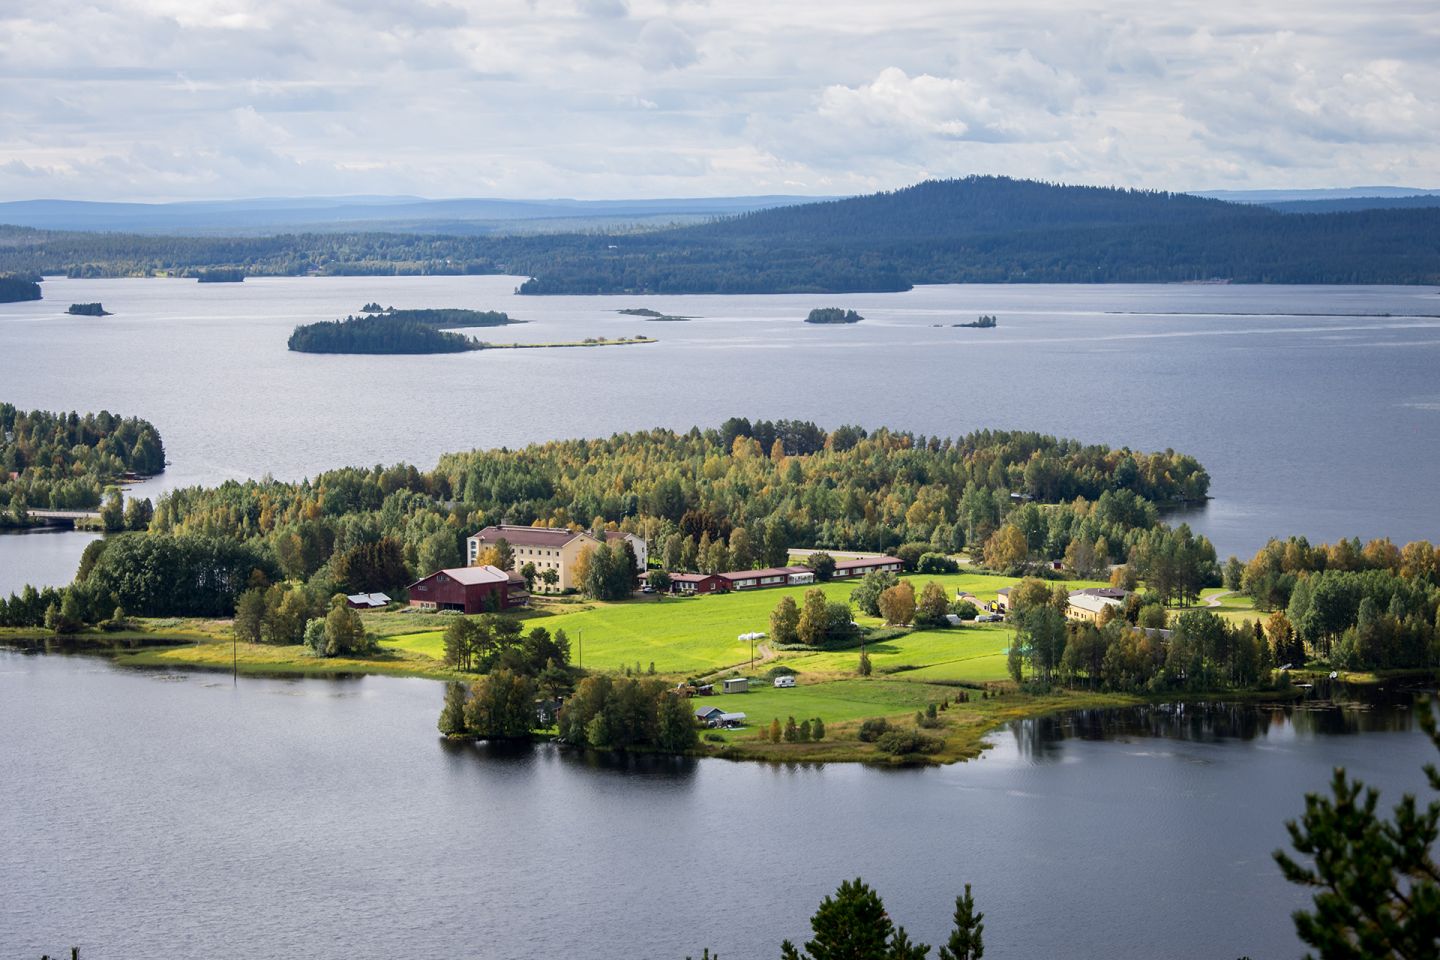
785 681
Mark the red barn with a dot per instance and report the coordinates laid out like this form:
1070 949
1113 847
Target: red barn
469 589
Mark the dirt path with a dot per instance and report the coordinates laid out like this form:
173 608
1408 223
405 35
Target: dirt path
1215 600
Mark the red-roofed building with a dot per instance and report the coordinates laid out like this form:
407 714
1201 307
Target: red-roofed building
469 590
696 583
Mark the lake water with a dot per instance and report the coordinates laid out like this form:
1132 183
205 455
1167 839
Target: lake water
146 815
1308 422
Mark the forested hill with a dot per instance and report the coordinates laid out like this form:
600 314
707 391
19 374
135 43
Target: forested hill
974 206
998 230
976 230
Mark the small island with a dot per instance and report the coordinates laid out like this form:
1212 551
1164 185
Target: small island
419 331
18 289
220 275
984 323
87 310
646 313
833 315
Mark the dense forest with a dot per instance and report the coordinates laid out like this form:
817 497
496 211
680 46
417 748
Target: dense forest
378 333
1372 606
977 230
738 496
17 289
64 461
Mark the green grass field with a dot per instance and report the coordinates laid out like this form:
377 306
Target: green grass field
684 636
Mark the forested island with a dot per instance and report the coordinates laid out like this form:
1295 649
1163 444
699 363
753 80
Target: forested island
985 322
88 310
833 315
18 289
974 230
377 334
65 461
419 331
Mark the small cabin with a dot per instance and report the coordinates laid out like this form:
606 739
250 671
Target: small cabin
367 601
736 685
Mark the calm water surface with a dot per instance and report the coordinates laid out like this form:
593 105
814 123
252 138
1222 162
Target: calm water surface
147 815
1308 422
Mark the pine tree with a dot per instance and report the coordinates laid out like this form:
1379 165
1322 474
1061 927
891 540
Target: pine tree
817 730
966 940
1377 885
853 925
775 730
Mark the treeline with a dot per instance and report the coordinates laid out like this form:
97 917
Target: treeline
1134 648
63 461
149 575
712 499
1374 606
976 230
18 289
377 334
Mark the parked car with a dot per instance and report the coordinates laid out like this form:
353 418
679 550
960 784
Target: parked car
785 681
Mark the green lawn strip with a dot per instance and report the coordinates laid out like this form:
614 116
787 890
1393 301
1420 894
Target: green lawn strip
254 658
697 635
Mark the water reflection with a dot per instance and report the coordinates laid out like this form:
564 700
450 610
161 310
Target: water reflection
1330 709
521 754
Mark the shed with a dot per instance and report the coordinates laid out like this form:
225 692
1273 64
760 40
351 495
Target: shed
737 685
732 719
708 715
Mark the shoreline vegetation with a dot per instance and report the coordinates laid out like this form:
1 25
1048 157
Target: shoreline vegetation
88 310
76 463
833 315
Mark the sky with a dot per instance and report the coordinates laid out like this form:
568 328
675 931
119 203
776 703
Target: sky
189 99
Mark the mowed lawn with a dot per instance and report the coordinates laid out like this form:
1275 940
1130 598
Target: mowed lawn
973 653
834 702
698 635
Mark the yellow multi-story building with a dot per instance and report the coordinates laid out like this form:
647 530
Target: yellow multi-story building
548 548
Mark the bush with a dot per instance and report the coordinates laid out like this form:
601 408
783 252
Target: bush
780 671
873 729
902 742
936 563
714 738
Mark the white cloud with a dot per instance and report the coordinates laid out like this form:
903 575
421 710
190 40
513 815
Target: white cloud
154 99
